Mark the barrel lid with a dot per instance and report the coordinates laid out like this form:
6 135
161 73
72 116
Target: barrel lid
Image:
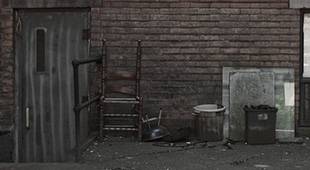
209 108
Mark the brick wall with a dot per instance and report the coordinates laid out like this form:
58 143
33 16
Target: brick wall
186 44
6 69
6 84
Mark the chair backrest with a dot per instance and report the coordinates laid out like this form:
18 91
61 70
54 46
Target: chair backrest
121 83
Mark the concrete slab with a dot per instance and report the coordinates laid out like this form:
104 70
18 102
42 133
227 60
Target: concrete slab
248 89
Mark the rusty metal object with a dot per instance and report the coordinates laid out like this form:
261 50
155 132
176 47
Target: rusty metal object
156 132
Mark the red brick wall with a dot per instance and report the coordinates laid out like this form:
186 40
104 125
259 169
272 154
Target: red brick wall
6 69
186 44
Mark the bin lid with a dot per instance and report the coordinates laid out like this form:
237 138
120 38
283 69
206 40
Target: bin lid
259 108
209 108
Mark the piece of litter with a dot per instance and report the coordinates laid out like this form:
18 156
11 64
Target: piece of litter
290 140
129 157
91 151
262 166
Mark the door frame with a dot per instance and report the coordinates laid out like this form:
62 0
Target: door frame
18 85
303 81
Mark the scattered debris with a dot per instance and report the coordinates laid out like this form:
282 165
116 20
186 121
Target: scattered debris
239 162
227 145
182 144
123 168
262 166
291 141
178 135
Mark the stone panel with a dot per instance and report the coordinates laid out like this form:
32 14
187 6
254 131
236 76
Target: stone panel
248 89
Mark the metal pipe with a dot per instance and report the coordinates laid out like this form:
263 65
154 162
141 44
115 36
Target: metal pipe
77 106
96 58
76 109
89 102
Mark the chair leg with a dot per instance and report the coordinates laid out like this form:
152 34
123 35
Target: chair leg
140 120
101 120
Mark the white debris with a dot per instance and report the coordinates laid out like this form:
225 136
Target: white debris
262 166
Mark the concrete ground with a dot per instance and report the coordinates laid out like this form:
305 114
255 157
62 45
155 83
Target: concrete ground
127 154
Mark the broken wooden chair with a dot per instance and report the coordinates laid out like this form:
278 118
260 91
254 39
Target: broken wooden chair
135 100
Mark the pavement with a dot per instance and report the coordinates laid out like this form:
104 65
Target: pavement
127 154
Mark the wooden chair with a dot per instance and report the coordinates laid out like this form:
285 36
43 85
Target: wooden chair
135 100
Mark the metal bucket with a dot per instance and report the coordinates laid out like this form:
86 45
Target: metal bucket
209 122
156 132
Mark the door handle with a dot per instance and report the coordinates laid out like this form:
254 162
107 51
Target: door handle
27 117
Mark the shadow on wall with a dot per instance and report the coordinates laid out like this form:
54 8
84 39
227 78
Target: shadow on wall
6 147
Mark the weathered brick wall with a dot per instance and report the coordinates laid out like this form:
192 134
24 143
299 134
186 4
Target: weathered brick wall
186 44
6 69
6 84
